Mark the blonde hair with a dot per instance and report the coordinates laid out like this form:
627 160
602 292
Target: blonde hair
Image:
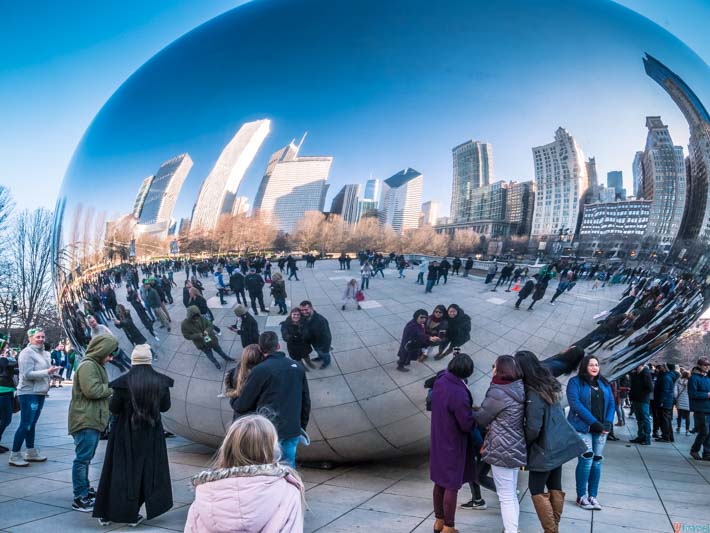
251 356
250 440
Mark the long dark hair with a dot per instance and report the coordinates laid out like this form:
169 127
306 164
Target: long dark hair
584 375
145 387
537 377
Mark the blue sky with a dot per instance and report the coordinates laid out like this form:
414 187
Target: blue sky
62 61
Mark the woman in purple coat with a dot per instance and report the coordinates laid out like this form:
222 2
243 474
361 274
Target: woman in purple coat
414 338
451 454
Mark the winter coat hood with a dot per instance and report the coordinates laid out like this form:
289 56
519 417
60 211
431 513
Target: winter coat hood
101 347
192 311
265 498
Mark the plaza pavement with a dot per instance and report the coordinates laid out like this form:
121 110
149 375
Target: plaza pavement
642 488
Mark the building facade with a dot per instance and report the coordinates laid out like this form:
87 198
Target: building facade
373 187
140 197
472 168
402 200
637 169
220 187
291 186
615 180
592 195
160 200
614 228
519 207
346 203
694 235
664 182
429 213
561 183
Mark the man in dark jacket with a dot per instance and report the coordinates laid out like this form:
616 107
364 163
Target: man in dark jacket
279 385
236 283
200 331
468 266
255 284
317 332
663 398
699 396
247 328
641 385
432 276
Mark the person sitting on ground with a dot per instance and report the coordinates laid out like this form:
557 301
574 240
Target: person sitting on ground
280 385
436 326
458 331
247 488
293 332
414 338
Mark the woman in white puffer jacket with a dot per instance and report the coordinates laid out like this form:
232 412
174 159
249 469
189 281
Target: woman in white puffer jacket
247 490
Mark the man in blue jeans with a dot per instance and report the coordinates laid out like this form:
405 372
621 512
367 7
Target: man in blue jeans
277 389
641 386
317 333
88 415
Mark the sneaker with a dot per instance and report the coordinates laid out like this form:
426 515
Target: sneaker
138 520
342 308
475 505
694 455
104 522
32 455
324 366
92 493
592 500
583 502
16 459
4 449
402 369
83 505
157 339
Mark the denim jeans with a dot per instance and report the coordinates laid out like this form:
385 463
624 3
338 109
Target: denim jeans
281 302
85 443
30 409
702 436
420 278
6 401
589 465
288 450
643 420
429 285
365 283
324 355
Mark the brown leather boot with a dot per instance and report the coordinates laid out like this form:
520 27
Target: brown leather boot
438 525
545 514
557 499
450 529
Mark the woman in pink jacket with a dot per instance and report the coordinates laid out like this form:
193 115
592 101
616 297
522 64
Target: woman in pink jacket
247 490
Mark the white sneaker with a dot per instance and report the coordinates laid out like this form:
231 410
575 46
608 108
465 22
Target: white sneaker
593 501
33 455
583 502
17 460
157 339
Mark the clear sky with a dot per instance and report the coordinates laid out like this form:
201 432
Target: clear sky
63 60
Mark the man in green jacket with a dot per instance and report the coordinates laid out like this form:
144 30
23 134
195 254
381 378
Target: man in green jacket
88 414
200 331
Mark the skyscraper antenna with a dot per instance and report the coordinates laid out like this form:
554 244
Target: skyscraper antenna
302 139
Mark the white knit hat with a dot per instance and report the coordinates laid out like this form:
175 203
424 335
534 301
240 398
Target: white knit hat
142 355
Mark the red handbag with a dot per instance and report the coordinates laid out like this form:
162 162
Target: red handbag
359 296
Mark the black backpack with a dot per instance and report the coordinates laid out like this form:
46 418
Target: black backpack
429 385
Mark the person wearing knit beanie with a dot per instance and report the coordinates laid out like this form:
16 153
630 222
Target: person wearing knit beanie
240 310
142 355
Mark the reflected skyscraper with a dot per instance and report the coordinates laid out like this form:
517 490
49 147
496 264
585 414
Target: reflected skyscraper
346 203
615 180
561 181
402 200
162 194
140 197
291 186
473 168
430 212
372 190
593 191
664 183
637 169
220 187
696 219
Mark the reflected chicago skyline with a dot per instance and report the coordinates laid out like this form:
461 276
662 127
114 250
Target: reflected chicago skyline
260 119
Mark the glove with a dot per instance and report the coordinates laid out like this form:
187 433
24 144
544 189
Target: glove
597 427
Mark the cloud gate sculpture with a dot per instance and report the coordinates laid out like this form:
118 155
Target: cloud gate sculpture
204 147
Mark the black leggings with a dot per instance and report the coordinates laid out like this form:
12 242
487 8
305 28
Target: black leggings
538 480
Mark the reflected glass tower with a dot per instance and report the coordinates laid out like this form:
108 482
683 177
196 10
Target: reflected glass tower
140 197
473 168
220 186
402 200
561 181
346 203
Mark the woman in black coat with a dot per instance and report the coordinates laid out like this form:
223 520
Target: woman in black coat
136 468
539 292
551 440
135 301
526 290
125 322
458 331
292 331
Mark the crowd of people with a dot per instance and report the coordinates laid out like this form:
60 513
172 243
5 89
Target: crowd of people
520 423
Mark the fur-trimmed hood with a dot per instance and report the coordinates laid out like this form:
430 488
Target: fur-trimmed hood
275 469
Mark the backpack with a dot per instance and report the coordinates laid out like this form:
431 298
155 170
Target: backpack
429 385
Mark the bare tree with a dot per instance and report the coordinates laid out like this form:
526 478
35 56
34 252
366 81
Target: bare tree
6 294
309 230
30 249
463 242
